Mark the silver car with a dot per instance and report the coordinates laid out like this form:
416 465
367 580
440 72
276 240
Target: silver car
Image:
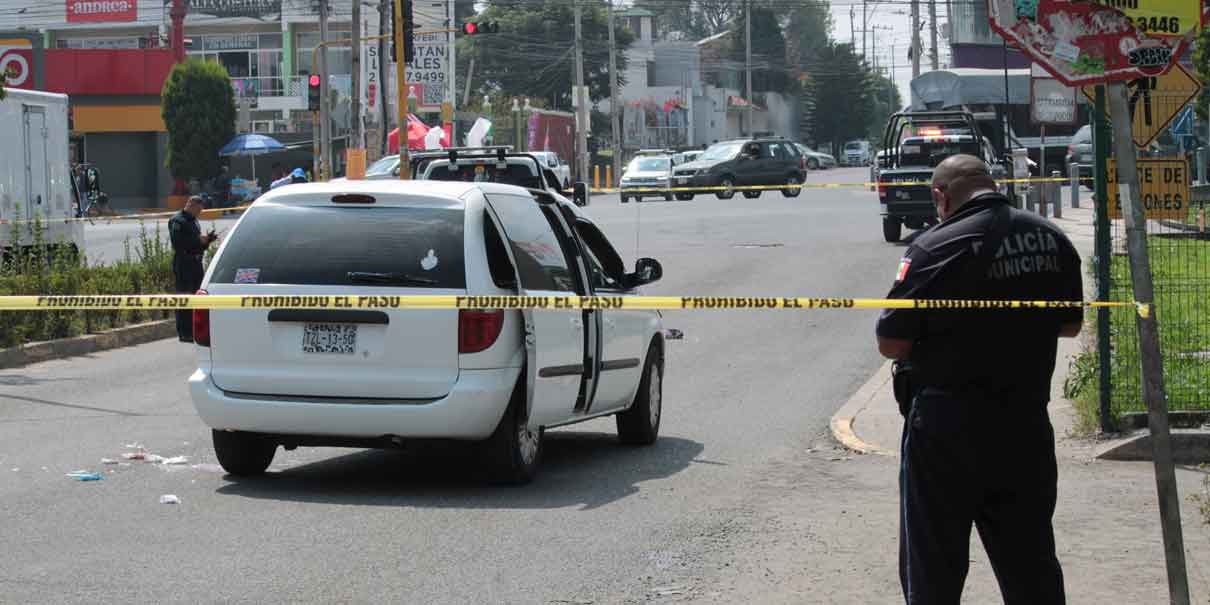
645 173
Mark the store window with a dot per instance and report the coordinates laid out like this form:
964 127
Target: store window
340 58
252 60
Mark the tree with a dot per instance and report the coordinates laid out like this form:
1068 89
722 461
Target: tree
1201 61
769 72
886 101
3 81
840 84
199 111
808 31
532 56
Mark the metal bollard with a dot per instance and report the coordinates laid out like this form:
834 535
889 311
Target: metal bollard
1075 185
1056 193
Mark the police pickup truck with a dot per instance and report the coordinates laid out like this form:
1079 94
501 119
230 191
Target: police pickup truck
914 143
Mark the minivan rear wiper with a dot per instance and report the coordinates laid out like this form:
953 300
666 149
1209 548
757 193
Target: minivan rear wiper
368 277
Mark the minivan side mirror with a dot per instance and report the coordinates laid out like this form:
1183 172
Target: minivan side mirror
579 193
646 271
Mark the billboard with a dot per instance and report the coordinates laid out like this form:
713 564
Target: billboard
21 59
102 11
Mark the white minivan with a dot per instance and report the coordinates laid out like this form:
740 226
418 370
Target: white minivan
376 376
856 153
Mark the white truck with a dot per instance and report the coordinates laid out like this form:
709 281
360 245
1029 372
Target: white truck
35 172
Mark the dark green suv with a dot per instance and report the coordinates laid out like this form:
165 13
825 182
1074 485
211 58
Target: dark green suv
741 162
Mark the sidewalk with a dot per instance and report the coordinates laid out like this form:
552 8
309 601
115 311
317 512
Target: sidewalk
1107 519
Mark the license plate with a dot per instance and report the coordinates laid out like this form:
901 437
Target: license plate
340 339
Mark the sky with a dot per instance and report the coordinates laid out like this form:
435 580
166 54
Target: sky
891 23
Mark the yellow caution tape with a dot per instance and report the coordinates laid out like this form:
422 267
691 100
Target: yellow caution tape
211 213
800 186
569 303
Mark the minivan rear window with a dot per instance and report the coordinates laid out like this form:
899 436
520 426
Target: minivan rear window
409 247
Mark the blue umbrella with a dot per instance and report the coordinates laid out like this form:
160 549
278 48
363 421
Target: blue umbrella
251 144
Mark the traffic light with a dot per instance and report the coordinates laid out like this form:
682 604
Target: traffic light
313 92
409 33
485 27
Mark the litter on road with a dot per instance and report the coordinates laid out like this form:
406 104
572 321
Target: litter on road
169 499
175 460
85 476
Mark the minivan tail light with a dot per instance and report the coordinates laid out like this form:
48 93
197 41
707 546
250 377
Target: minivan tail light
201 324
478 330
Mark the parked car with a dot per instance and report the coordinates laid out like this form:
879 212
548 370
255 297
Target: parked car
383 377
647 172
815 159
685 157
857 153
556 165
1080 151
742 162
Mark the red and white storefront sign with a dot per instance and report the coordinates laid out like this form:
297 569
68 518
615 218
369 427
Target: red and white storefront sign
102 11
17 62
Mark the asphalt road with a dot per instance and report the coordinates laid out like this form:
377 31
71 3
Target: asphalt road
603 523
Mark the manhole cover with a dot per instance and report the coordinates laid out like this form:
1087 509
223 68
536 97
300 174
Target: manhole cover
756 245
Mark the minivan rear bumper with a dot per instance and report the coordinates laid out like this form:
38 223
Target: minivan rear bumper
470 411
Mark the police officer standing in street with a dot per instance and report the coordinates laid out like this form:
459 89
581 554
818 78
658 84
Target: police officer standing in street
977 445
188 246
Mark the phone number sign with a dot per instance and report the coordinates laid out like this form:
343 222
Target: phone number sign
1163 189
1160 17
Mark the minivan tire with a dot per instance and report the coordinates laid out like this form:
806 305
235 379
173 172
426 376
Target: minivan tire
510 459
243 454
640 424
891 229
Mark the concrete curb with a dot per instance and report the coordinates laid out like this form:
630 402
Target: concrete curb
1189 446
125 336
844 418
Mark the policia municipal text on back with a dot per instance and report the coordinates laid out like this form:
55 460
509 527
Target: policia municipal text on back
978 447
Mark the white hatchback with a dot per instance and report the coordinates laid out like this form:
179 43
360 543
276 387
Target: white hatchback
378 377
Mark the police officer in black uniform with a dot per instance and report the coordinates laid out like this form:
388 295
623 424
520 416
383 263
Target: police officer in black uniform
188 245
977 445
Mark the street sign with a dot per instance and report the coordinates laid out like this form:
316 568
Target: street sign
1155 102
1083 43
1051 102
1160 17
1163 188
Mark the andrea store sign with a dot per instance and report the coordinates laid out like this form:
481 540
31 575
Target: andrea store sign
102 11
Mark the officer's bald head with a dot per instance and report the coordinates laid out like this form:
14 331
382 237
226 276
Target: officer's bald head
957 179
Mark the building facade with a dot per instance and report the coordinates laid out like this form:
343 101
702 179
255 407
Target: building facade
112 57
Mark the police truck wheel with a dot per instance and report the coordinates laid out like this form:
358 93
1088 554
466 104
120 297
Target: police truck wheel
792 191
891 229
640 425
243 454
728 185
684 197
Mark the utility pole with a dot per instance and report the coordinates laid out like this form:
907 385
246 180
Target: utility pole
933 34
853 27
748 60
401 89
890 97
865 26
358 141
582 121
615 109
451 92
325 111
384 126
915 39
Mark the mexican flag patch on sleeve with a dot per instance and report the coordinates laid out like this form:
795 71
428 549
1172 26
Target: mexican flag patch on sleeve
904 264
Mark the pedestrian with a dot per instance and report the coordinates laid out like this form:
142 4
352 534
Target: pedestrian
188 246
977 445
